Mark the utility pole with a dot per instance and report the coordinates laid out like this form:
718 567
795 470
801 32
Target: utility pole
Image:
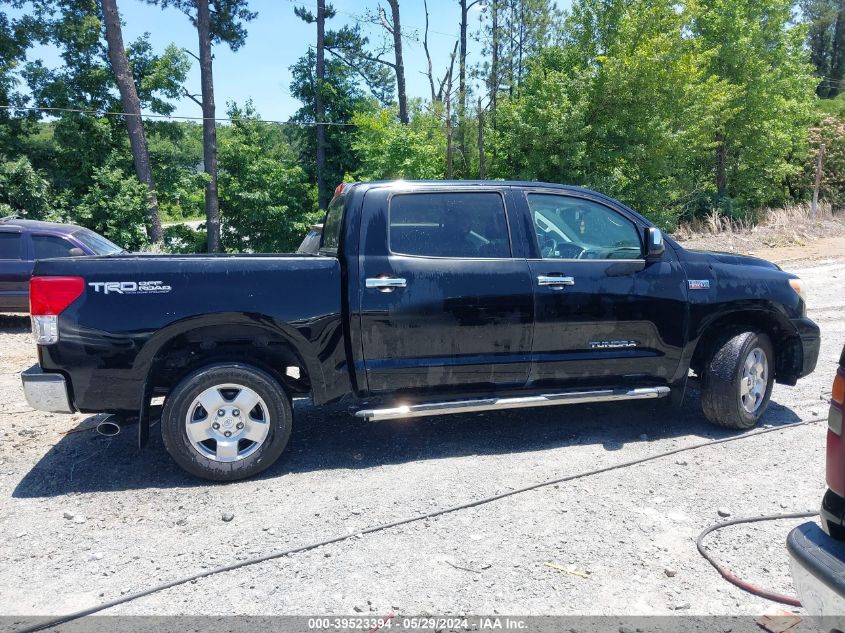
819 165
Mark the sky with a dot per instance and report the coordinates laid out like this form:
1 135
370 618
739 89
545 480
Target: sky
260 70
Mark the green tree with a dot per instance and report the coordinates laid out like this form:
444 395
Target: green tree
268 204
762 96
389 149
16 35
115 206
825 21
24 191
613 108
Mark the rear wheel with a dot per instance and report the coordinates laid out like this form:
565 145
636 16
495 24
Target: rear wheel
226 422
737 379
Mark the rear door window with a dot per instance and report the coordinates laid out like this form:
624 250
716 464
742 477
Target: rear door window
47 246
11 245
469 225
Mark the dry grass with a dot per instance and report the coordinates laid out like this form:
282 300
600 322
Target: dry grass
787 226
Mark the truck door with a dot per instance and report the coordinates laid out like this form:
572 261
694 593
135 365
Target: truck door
604 316
445 305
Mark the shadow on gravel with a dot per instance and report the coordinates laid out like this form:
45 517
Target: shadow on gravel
14 323
333 439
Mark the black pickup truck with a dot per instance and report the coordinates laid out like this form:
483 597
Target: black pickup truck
425 298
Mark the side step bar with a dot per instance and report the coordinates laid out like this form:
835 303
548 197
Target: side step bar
488 404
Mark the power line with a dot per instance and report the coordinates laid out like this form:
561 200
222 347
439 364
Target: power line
173 116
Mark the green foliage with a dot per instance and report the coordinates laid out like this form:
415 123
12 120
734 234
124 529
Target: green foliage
640 96
179 238
115 206
826 42
762 100
389 149
266 202
24 191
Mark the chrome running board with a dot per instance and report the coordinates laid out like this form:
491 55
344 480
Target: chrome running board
489 404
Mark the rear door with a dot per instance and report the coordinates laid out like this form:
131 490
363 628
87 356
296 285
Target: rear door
445 304
604 315
15 271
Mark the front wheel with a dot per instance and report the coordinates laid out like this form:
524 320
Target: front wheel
737 380
227 421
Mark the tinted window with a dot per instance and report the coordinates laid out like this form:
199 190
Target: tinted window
332 225
574 228
46 246
467 225
10 245
97 243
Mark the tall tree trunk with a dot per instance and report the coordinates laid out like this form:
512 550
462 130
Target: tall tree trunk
132 107
323 194
462 78
482 159
721 180
209 127
429 72
448 96
400 64
494 68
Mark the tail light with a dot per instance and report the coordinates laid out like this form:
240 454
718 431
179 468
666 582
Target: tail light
835 444
48 298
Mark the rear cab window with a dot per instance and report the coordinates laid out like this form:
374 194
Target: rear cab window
469 225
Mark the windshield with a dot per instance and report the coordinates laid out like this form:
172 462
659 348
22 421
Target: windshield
97 243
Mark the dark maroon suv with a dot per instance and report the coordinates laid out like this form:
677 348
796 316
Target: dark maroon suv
24 241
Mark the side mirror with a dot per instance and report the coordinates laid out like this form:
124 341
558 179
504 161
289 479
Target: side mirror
654 246
75 252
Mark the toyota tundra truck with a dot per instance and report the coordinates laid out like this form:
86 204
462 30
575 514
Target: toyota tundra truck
424 298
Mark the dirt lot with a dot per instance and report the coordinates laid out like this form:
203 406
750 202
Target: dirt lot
85 518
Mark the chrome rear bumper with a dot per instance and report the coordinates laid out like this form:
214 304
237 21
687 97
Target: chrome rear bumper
46 391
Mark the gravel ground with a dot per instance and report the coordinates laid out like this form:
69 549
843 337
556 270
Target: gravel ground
85 518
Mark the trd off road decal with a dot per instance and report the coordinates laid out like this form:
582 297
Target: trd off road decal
699 284
130 287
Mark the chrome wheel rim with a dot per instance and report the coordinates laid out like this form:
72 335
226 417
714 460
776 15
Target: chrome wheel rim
227 423
754 381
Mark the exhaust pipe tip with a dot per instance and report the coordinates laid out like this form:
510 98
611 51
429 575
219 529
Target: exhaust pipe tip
108 428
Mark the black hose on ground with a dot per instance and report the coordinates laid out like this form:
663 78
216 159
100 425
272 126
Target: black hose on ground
386 526
736 580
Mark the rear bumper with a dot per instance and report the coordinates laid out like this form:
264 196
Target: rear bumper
818 569
46 391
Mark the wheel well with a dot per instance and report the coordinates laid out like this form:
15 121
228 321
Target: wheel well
787 345
242 343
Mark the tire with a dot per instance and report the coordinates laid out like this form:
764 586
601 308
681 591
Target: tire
733 395
256 437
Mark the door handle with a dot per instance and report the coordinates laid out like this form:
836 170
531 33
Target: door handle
386 284
555 280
